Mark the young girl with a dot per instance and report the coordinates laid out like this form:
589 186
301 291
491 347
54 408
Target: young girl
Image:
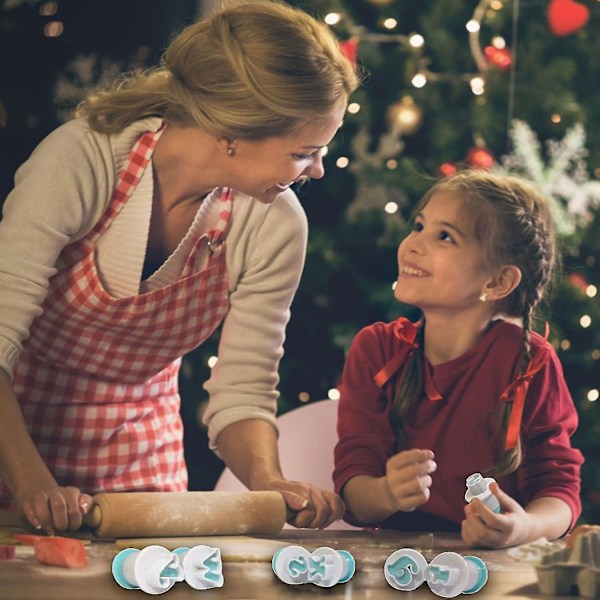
469 388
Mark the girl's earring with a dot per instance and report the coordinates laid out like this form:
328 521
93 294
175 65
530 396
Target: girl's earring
483 297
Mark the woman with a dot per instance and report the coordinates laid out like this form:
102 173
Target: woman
132 232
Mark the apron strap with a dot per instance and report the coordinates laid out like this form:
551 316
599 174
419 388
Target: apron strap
129 177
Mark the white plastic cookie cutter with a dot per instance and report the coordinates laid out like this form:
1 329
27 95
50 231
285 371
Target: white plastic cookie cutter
478 486
405 569
325 567
449 574
156 570
153 570
202 566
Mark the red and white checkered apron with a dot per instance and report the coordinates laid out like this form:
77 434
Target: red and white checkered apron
97 378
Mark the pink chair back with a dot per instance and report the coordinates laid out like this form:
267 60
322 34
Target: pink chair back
307 437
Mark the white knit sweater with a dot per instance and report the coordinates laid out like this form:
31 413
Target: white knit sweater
61 192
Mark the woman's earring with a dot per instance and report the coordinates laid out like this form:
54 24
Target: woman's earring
483 297
231 149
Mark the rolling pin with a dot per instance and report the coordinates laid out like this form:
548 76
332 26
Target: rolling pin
164 514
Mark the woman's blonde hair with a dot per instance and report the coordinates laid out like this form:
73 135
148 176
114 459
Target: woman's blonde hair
253 70
514 226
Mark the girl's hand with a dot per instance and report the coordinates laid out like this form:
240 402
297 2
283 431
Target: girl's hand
407 477
307 505
486 529
54 508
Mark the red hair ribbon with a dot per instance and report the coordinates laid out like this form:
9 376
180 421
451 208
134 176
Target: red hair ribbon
517 392
406 332
349 49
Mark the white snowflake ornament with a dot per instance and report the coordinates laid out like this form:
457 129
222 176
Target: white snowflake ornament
563 180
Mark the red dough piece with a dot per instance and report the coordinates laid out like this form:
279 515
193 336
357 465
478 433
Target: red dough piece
59 551
27 538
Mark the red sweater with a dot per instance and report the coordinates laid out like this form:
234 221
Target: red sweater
459 423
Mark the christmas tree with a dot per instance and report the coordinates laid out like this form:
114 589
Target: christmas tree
494 84
498 85
450 85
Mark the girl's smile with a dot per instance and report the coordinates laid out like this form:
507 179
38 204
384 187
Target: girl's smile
411 270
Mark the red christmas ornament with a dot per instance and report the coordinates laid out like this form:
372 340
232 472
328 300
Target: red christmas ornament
350 49
579 281
566 16
498 57
480 158
446 169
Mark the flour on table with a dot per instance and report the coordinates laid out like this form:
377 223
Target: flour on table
233 548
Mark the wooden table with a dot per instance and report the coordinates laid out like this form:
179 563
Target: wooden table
24 578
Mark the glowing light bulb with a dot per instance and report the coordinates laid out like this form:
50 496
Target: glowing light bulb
342 162
593 395
391 208
212 361
390 23
585 321
416 40
419 80
333 394
472 26
353 108
333 18
53 29
304 396
591 291
477 85
48 9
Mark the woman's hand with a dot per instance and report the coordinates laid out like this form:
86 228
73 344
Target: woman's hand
307 505
54 508
486 529
408 478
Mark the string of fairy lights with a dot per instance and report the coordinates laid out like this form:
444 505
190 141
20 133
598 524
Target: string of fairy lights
404 117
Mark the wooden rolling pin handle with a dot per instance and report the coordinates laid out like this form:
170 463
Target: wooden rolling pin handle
93 517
